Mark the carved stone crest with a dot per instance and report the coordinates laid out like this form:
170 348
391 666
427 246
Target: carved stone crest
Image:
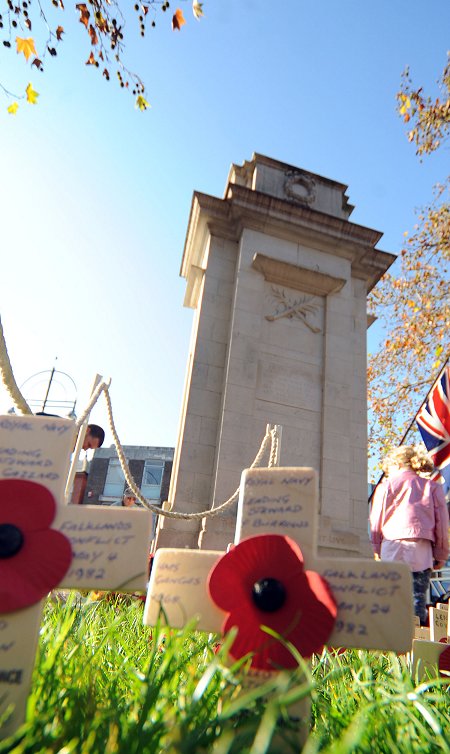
293 309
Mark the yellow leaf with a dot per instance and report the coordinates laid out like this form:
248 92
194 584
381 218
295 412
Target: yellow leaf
142 103
31 94
12 109
439 350
406 102
26 46
197 9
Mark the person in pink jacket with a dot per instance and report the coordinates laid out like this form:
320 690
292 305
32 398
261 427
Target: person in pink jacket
409 519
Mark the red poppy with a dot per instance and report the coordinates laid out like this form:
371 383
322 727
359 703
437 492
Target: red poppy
262 581
33 557
444 661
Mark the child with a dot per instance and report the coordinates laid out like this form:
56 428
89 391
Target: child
409 519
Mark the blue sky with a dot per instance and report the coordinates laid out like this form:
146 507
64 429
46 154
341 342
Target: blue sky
95 195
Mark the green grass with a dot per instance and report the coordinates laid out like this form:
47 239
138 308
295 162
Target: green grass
106 684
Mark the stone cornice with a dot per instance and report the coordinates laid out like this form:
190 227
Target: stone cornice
208 216
262 159
256 203
297 277
244 208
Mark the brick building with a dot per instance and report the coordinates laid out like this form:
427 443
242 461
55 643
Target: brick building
150 468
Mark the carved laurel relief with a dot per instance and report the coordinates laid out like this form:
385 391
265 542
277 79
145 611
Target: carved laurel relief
300 308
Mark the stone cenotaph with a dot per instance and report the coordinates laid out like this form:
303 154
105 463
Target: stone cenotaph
278 277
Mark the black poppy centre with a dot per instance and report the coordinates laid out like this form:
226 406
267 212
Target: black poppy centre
269 594
11 540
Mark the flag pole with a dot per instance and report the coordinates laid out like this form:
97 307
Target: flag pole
412 423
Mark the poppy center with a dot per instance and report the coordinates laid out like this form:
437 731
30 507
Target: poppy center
11 540
269 594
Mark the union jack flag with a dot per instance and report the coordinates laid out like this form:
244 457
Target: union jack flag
433 421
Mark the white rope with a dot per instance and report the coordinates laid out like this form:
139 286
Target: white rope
93 400
8 377
270 435
273 458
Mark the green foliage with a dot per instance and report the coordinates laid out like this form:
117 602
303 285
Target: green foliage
106 684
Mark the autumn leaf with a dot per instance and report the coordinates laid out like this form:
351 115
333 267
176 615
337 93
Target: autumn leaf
84 14
91 59
144 9
37 63
142 103
26 46
101 22
59 33
197 9
12 109
406 104
31 95
93 35
178 20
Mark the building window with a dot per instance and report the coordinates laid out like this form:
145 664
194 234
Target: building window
115 480
151 479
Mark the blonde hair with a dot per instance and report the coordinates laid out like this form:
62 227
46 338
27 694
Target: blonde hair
413 457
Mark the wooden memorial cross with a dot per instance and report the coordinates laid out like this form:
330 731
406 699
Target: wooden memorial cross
430 659
431 654
438 629
439 624
370 605
45 544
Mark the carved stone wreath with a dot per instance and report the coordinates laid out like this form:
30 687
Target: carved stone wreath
300 187
298 309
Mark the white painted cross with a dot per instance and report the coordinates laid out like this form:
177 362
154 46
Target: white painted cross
105 548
